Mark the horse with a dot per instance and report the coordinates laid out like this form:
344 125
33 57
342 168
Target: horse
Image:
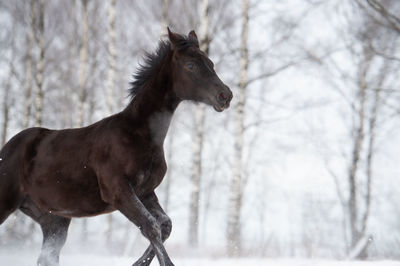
114 164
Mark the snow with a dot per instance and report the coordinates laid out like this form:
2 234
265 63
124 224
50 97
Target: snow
86 260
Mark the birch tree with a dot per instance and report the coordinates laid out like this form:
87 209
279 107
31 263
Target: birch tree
198 137
365 103
40 63
171 135
6 104
235 201
28 65
358 140
111 83
111 56
83 53
164 16
370 84
369 102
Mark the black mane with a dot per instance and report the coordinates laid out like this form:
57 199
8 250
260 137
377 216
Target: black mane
153 60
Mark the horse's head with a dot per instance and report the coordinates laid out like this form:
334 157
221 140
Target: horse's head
194 75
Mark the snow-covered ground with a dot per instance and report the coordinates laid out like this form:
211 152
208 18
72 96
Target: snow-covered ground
83 260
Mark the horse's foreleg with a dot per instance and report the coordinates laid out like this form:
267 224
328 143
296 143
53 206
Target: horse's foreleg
123 198
54 230
152 205
10 195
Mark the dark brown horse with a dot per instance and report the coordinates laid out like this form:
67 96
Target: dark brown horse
114 164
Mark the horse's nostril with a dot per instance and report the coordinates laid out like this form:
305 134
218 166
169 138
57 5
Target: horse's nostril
223 96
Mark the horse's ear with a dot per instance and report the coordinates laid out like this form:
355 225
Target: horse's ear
193 37
173 38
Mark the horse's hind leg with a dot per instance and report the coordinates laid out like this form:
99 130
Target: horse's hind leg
6 209
54 230
10 199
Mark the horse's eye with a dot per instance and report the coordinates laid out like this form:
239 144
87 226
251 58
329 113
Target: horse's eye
190 66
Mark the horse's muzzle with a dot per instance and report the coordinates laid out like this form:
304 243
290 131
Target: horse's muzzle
224 98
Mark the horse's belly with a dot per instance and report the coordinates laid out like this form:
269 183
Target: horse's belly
68 203
70 197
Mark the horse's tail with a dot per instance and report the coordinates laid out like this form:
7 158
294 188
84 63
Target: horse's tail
12 172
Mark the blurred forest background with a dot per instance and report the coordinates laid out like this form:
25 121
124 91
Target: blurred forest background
304 164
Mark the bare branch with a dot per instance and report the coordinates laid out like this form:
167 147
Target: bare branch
393 20
271 73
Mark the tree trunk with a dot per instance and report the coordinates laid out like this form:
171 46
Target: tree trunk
168 177
370 156
164 16
40 65
28 66
353 205
6 106
196 177
93 67
171 135
111 83
83 66
235 203
6 96
111 56
198 140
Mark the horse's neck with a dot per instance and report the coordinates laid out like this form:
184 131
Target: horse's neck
154 107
